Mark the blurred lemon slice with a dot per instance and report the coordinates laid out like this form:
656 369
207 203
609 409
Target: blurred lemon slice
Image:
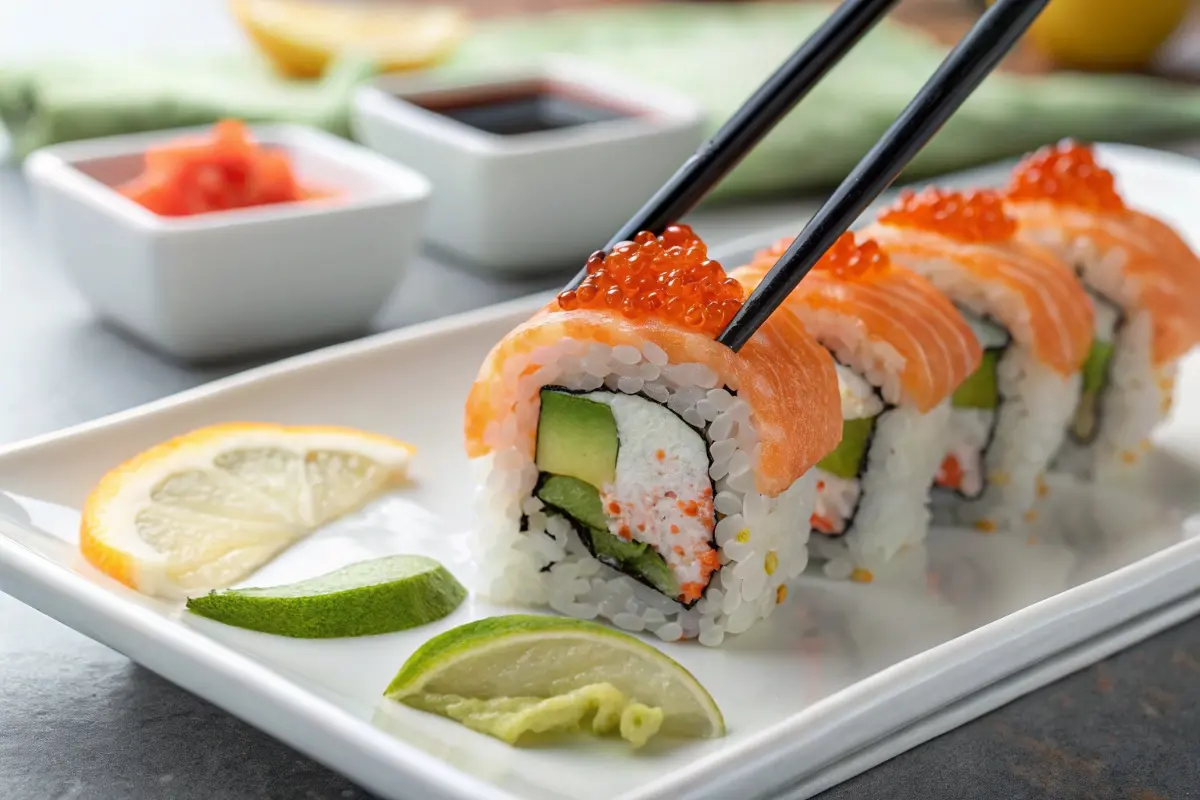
204 510
301 37
1105 34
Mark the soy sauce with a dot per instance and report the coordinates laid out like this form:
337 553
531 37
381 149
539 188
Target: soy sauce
522 108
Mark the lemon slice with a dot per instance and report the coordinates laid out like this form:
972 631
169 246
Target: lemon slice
205 509
507 676
301 37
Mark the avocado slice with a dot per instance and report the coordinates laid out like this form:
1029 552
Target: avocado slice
581 502
846 459
979 390
1095 369
577 438
578 500
1095 379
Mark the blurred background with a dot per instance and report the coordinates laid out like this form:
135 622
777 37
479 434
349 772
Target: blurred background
70 70
1101 69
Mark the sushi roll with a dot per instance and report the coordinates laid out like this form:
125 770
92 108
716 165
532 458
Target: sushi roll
1144 281
901 349
1034 322
637 470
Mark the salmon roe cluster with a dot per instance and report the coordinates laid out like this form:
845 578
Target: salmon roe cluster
1066 173
668 277
976 216
850 261
846 259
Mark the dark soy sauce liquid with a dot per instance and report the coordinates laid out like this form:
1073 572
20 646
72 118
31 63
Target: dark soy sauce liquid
515 110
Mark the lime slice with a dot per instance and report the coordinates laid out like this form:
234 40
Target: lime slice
507 675
371 597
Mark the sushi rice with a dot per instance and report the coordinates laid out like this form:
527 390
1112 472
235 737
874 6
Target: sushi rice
528 556
1021 436
1137 394
885 508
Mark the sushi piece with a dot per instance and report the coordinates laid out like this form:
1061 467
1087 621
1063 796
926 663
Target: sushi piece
1034 322
636 469
901 350
1144 281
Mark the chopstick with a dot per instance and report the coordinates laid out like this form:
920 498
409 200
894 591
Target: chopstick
963 70
754 120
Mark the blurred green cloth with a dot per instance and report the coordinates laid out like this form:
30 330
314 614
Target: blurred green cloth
63 101
715 53
718 54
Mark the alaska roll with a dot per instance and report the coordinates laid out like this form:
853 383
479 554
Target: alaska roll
901 349
1144 281
637 470
1034 322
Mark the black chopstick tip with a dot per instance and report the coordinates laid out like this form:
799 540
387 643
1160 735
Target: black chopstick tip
955 79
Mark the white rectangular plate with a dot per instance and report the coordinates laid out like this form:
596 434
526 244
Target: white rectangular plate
841 678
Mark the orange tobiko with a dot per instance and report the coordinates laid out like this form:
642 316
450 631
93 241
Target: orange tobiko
1066 173
976 216
668 277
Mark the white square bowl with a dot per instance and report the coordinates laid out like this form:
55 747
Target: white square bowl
233 282
530 202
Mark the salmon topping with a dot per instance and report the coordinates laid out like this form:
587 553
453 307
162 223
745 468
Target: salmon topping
976 216
668 277
1066 173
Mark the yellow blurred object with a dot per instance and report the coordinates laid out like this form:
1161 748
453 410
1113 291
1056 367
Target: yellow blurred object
1105 34
301 37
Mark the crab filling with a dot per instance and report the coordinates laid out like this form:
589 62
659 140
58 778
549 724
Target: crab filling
839 474
975 408
632 478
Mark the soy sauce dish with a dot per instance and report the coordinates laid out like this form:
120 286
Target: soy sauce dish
530 168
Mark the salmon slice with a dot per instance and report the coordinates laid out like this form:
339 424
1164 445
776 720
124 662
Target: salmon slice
787 378
1162 273
1064 199
889 306
966 245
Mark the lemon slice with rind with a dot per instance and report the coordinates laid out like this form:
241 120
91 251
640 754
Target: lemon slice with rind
204 510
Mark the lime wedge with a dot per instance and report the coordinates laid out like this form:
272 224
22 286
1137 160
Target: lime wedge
508 675
382 595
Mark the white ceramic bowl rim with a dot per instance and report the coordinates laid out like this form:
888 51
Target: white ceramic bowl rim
392 181
664 109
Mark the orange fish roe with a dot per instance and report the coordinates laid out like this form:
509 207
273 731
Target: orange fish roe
975 216
1066 173
822 524
850 261
668 277
847 259
861 575
950 474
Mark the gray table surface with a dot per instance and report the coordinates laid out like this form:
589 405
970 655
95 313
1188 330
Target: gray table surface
79 721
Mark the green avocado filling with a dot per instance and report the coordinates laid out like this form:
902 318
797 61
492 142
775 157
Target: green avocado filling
979 390
577 454
577 437
1095 380
846 459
